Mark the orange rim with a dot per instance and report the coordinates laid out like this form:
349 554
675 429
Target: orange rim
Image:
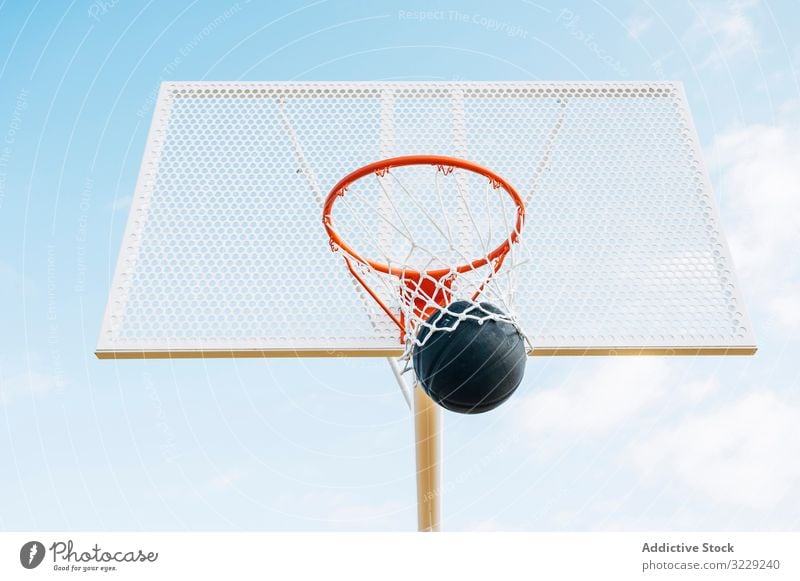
442 162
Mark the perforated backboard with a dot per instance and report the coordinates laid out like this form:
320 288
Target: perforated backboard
224 253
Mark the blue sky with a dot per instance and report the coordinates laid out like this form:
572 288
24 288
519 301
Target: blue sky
586 444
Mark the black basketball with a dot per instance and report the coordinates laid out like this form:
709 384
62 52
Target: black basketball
473 368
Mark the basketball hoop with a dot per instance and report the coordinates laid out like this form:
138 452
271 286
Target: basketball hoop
459 202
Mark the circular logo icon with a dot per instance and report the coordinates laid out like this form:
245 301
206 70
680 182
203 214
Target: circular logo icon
31 554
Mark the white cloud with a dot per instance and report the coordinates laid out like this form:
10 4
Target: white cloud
785 307
491 525
121 203
359 515
13 281
681 519
597 400
35 383
729 26
760 184
342 510
225 480
791 108
744 454
697 391
638 25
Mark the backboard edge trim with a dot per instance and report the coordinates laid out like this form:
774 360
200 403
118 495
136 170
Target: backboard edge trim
540 352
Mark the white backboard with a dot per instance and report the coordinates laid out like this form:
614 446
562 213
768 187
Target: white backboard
225 255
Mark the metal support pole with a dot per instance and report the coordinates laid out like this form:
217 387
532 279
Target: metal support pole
398 375
427 432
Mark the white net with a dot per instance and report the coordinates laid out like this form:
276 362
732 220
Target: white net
423 237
